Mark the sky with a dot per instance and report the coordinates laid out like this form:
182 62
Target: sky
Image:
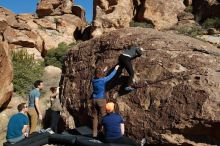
29 6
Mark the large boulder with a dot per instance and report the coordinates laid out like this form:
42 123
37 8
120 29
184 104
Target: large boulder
162 14
40 34
6 86
79 11
206 8
3 24
110 15
23 38
182 97
8 15
54 7
57 29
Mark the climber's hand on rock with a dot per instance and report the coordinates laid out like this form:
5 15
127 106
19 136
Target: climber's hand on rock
142 49
117 67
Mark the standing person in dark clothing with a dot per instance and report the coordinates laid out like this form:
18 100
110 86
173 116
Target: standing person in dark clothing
98 95
18 125
34 105
55 108
132 52
113 125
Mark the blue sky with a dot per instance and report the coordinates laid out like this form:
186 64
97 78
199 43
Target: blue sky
29 6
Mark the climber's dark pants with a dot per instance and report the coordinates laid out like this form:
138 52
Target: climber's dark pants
55 116
122 140
125 62
98 109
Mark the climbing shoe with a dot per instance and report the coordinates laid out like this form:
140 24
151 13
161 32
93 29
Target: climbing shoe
129 89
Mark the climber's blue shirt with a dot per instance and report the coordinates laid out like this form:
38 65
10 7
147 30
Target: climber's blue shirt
99 85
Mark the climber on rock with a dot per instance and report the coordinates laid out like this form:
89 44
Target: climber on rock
98 95
131 52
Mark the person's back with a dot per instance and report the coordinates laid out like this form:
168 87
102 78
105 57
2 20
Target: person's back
99 87
55 109
112 125
99 82
132 52
98 96
15 125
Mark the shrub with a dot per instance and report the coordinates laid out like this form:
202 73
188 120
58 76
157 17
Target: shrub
189 9
211 23
141 24
192 31
26 71
56 56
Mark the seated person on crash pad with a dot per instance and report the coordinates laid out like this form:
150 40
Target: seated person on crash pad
18 125
113 125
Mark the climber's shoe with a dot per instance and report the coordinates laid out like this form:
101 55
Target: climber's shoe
129 89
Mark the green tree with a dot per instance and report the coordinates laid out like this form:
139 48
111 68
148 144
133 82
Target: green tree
26 71
192 31
56 56
211 23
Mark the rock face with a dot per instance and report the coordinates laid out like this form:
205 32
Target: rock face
183 94
110 15
37 35
162 14
206 8
187 2
54 7
6 86
113 14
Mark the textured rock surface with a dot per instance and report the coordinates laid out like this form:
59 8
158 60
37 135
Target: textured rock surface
54 7
6 86
3 24
206 8
110 15
187 2
214 39
40 34
79 11
162 14
183 96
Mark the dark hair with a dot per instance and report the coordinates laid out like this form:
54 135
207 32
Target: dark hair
37 83
21 106
99 73
53 89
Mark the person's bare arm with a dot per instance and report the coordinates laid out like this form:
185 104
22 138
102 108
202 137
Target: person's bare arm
25 130
37 104
122 128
